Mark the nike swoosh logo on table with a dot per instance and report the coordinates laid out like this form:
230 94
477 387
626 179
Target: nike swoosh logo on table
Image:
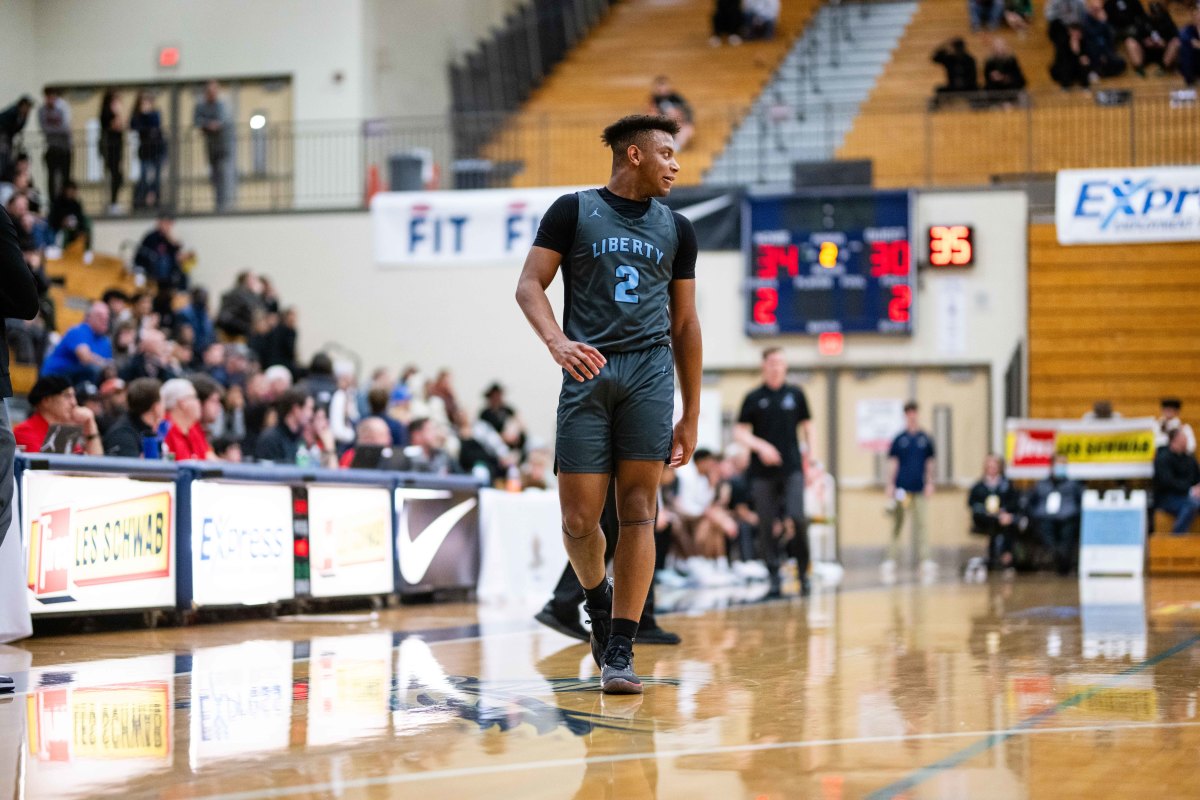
415 556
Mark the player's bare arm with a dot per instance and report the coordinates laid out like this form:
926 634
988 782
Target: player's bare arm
581 361
688 350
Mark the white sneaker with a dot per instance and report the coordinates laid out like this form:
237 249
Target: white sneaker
929 571
887 571
670 579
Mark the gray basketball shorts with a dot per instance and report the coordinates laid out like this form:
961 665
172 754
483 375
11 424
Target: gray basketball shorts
623 414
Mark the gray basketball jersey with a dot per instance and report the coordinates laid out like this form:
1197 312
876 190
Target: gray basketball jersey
616 281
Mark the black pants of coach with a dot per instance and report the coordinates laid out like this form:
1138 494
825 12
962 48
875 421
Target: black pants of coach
8 450
568 594
776 499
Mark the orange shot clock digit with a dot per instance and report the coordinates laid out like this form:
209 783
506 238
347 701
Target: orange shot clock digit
951 246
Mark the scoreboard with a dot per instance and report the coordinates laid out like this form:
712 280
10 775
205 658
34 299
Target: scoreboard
837 263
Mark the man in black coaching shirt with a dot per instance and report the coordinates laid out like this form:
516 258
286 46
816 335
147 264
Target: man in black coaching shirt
629 321
767 426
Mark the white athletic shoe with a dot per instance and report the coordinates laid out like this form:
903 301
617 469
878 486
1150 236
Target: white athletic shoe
887 572
929 571
670 579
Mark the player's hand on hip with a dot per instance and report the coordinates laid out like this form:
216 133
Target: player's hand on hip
684 444
581 361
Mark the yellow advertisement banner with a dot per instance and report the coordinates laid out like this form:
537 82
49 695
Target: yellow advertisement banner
129 540
1116 447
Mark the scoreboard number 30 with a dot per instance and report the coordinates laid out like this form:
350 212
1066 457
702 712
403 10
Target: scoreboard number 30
951 246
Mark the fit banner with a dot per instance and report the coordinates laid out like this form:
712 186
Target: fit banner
498 226
1113 206
1095 449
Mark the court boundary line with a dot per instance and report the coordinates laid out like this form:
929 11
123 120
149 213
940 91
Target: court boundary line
465 772
993 738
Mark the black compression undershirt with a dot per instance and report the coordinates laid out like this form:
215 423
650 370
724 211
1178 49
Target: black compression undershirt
557 229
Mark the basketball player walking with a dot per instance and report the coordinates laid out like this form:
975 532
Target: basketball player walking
629 268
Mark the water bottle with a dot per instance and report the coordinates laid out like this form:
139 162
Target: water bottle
483 475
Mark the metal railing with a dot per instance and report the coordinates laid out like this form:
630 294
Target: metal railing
334 165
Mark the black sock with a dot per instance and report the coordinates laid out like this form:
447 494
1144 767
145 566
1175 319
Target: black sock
599 597
625 628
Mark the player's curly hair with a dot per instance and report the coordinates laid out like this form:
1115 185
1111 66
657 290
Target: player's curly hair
630 130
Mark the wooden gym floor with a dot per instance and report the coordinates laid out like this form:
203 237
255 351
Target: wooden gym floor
1002 689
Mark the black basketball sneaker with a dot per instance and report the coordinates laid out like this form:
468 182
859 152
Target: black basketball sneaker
601 619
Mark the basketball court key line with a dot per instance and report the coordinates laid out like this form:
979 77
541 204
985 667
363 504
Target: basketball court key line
983 745
467 772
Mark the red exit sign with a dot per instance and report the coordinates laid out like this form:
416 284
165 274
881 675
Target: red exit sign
168 57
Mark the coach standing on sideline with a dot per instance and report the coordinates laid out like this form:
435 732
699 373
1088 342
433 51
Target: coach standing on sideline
767 426
18 298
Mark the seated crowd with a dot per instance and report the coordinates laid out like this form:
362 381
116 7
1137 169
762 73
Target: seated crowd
1092 39
1050 513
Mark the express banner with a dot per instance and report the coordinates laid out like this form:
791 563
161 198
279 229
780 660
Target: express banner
479 226
242 544
1095 449
98 543
350 540
1112 206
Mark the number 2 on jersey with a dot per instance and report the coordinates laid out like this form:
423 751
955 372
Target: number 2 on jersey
631 278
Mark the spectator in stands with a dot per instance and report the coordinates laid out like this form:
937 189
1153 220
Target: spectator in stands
128 436
1061 15
235 317
1189 50
667 102
195 315
538 471
378 399
994 504
961 71
152 150
279 342
67 218
370 432
163 306
1099 43
212 117
154 359
427 449
54 117
84 350
761 19
56 410
442 388
503 418
1130 24
113 399
1177 481
161 254
12 122
1055 507
1161 40
279 380
1071 65
988 12
282 443
213 415
120 307
125 346
705 522
1168 421
1002 76
320 382
727 22
185 439
227 449
112 145
1018 14
343 406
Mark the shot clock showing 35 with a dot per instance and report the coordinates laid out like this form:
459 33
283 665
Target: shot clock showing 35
819 265
951 246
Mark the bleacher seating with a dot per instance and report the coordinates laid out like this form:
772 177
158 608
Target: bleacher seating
1113 322
960 146
556 133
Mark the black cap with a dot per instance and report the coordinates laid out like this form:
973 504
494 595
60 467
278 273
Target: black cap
491 390
1171 402
86 391
47 386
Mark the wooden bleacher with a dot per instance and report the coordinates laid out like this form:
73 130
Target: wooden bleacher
557 133
82 284
1112 322
960 146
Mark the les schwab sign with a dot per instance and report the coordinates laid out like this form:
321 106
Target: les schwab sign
1095 449
98 543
